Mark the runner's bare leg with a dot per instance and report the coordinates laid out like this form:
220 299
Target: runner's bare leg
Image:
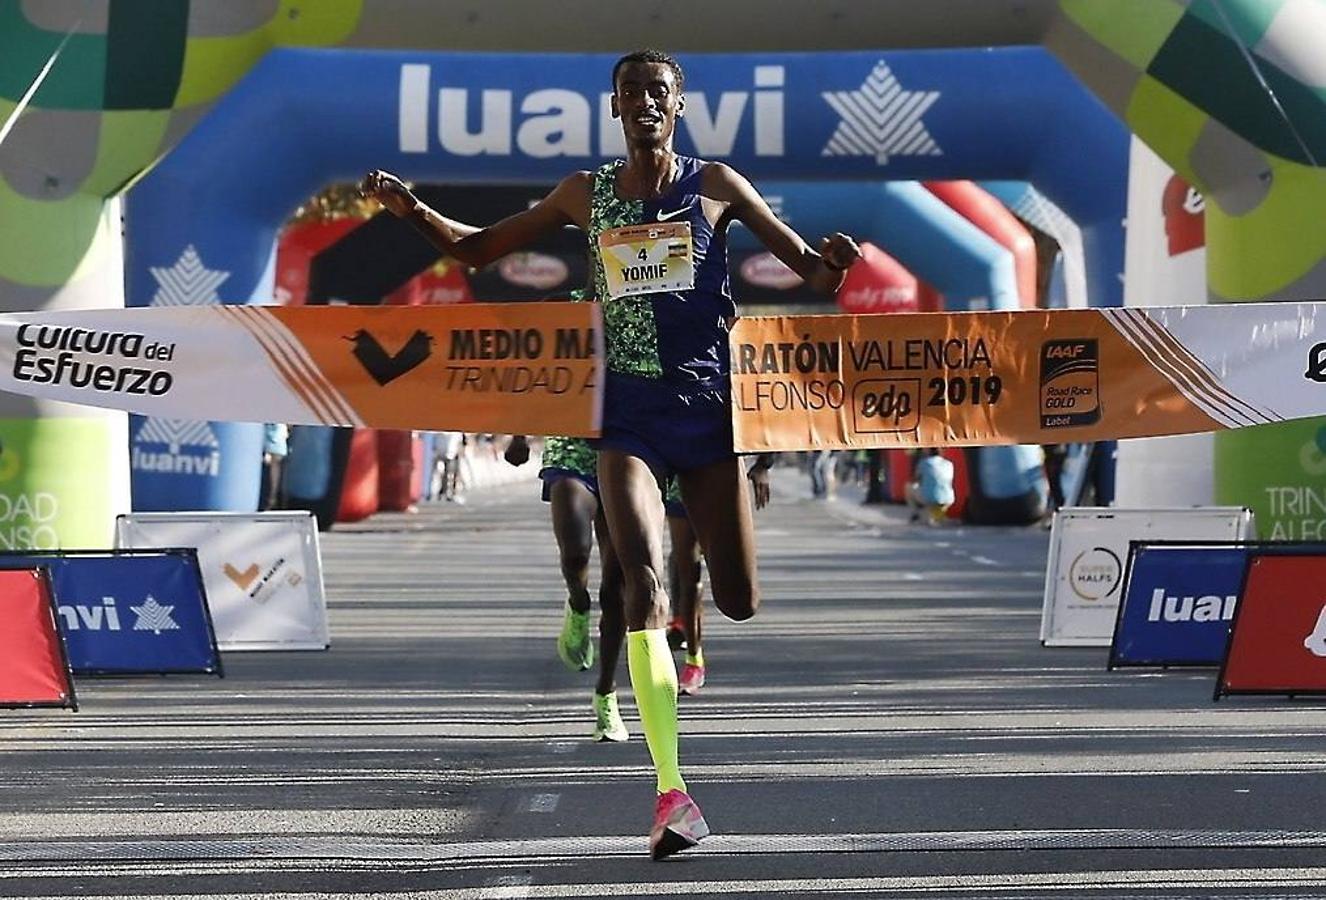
634 509
574 508
612 610
717 500
684 567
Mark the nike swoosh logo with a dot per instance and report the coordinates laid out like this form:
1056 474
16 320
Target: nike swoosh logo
663 217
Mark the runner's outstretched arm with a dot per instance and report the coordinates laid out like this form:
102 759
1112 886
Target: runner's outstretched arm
822 270
478 246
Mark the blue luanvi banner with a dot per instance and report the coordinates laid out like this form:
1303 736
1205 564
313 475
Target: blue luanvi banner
129 612
201 226
1178 605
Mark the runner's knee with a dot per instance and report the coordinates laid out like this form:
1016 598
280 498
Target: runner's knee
738 601
643 584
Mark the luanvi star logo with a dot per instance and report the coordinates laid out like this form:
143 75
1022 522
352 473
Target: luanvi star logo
188 282
154 616
881 119
241 579
386 367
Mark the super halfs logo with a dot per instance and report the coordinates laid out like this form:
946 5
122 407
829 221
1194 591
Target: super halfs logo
1070 383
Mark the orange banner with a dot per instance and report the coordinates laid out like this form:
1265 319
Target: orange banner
936 379
525 368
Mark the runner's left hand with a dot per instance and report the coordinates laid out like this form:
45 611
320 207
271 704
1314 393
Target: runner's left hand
839 250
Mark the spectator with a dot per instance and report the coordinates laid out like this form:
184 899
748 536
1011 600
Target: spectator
275 447
447 467
931 491
1055 456
821 474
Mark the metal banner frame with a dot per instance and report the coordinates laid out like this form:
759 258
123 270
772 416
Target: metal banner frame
189 553
45 586
1295 549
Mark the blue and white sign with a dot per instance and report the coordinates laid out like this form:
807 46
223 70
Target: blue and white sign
1178 605
130 612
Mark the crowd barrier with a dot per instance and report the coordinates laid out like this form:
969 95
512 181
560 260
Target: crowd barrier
34 668
129 612
1085 567
1254 609
262 572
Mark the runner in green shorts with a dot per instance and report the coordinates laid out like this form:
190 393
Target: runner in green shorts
570 487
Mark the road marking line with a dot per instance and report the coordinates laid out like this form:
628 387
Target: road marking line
948 885
507 887
519 852
543 803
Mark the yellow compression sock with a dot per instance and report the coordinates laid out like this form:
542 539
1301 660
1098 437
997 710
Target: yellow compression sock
696 658
654 680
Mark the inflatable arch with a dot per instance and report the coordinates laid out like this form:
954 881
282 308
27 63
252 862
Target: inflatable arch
986 212
923 232
211 209
1033 206
1190 77
971 269
1232 95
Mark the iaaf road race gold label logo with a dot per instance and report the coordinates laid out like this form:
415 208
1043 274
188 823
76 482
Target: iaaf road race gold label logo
1070 383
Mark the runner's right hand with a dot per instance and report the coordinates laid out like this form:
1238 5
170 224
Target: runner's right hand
388 190
759 480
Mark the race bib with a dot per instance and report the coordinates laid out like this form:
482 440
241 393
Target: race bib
643 259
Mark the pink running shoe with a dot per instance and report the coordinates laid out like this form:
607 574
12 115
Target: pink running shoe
692 679
678 824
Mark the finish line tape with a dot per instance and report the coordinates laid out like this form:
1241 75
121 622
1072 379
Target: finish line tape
1026 377
798 382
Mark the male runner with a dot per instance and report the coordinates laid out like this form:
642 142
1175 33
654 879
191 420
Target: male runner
570 486
656 223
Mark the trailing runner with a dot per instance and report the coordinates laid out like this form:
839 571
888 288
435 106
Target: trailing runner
570 487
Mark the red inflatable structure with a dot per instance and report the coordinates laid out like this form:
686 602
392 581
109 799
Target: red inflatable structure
984 210
878 283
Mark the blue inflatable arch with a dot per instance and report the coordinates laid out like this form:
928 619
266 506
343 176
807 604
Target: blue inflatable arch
201 227
911 224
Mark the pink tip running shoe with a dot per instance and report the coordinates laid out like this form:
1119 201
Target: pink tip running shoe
678 824
692 679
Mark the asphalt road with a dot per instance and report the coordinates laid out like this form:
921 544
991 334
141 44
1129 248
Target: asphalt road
887 726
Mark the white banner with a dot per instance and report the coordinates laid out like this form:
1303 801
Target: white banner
1164 262
262 571
494 367
1088 552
